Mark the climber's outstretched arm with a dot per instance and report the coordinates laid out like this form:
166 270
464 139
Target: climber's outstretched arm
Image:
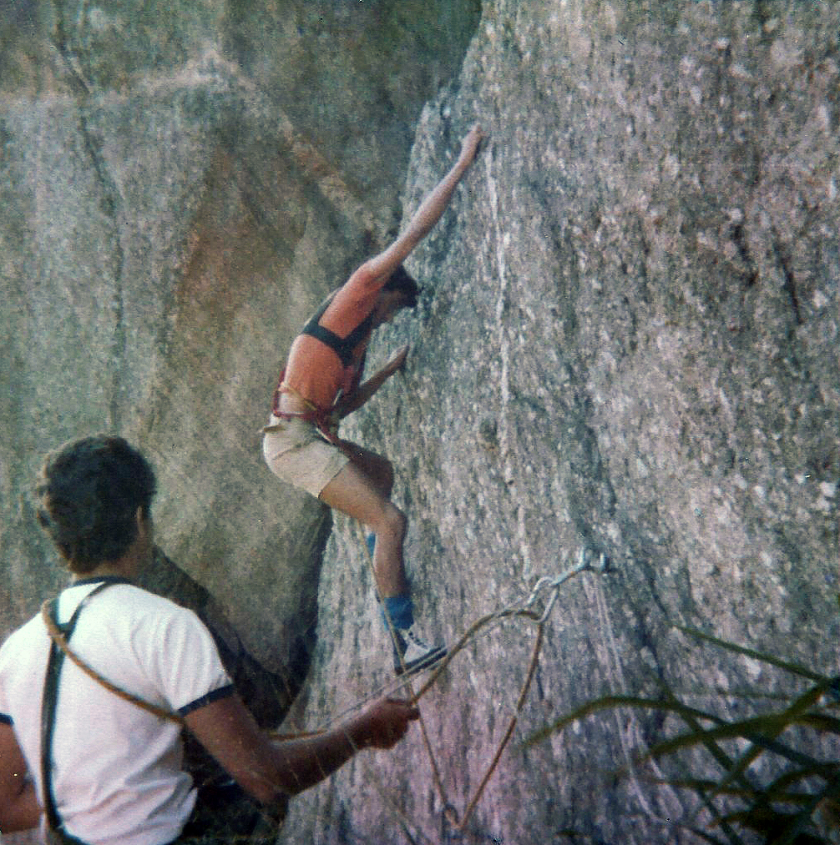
380 268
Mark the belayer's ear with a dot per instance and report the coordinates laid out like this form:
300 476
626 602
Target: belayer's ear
142 520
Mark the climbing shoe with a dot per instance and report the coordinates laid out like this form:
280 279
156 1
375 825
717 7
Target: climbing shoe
411 654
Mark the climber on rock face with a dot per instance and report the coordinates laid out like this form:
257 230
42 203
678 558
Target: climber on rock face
321 384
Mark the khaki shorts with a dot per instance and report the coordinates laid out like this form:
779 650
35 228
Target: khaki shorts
297 454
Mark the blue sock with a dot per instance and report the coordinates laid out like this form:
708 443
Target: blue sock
400 609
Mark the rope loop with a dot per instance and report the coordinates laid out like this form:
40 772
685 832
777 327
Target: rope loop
450 831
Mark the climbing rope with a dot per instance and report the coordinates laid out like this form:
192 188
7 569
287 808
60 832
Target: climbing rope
452 827
61 641
583 564
523 609
587 561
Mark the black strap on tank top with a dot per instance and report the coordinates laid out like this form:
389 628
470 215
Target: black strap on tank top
342 346
56 834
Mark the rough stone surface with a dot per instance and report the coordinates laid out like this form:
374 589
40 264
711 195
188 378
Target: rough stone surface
181 184
627 341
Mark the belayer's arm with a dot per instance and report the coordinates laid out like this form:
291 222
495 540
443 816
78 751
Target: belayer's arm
270 770
380 268
19 809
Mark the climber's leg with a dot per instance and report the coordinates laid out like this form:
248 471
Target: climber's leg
377 468
354 493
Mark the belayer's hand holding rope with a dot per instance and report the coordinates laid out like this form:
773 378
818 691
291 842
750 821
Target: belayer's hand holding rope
383 724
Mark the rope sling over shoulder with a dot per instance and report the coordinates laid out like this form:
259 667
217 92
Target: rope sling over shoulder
59 649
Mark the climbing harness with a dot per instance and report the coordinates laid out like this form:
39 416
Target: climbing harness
324 419
220 799
59 649
60 634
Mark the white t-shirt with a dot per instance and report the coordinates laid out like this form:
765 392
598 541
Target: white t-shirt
117 775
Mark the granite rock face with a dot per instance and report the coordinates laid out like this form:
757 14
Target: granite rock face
181 185
627 342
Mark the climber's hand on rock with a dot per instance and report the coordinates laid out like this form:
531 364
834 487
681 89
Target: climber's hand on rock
470 144
397 361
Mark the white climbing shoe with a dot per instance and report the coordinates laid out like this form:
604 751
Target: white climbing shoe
411 654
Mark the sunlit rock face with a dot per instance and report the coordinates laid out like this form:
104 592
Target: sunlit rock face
626 342
181 185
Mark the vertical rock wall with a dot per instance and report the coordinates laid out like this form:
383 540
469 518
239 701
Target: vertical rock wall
627 342
180 185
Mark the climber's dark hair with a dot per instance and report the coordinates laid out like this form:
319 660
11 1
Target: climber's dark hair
89 491
403 282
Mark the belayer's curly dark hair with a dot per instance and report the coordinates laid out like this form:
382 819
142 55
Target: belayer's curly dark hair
89 491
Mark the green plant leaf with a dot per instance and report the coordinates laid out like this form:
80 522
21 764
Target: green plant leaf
609 702
789 666
767 736
793 833
782 811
